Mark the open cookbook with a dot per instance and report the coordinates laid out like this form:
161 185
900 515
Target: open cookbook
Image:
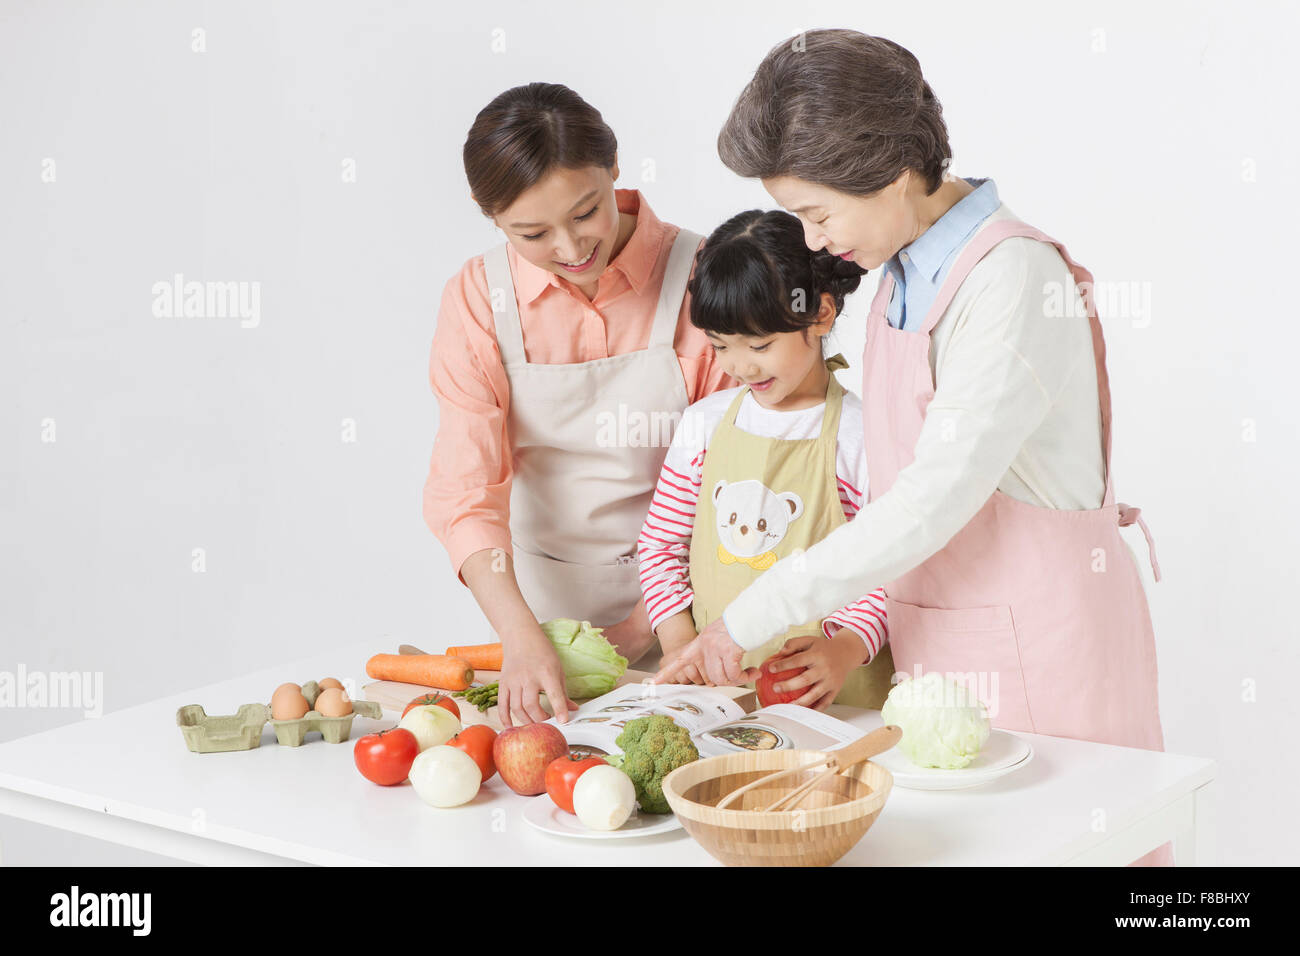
718 725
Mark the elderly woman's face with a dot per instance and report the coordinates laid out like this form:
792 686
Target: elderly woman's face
867 229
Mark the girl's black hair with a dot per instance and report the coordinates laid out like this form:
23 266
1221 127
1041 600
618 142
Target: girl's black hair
754 276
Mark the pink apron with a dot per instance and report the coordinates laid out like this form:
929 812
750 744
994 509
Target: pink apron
1040 611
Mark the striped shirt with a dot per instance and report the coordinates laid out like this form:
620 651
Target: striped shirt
664 546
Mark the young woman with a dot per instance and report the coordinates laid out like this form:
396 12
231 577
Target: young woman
992 522
556 358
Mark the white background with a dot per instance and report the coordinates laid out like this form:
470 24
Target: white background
1158 143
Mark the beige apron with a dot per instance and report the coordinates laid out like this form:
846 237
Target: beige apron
588 439
761 500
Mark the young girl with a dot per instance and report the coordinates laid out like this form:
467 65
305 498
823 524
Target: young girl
765 470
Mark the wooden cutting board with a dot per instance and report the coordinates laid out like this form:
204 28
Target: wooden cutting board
394 696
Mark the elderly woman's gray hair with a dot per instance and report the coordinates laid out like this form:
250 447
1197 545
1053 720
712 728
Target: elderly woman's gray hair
841 109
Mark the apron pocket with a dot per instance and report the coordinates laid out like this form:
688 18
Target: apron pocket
975 646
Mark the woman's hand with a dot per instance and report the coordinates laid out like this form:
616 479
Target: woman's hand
676 634
714 655
531 667
828 663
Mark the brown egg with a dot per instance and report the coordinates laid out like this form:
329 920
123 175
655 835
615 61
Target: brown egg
288 703
333 702
327 683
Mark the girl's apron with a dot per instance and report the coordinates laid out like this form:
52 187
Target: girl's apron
1040 611
762 499
588 439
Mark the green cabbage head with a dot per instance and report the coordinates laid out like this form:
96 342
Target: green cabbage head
591 665
944 724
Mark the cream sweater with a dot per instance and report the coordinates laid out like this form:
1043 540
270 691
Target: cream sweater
1015 409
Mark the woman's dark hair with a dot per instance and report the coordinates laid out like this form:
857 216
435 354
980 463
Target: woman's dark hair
755 276
841 109
526 132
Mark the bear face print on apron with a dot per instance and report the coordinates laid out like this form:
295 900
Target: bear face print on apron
762 499
587 451
1040 611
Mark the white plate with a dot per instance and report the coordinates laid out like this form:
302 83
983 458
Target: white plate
542 813
1004 753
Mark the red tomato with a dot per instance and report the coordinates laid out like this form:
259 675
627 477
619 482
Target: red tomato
562 773
767 678
435 700
386 757
477 741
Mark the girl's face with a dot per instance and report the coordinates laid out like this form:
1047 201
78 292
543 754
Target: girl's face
567 223
782 369
869 230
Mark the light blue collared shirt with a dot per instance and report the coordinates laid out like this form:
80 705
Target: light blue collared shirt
920 268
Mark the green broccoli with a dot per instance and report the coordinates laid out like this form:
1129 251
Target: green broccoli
653 747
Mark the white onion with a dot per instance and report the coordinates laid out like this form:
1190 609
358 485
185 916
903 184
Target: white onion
445 776
603 798
432 725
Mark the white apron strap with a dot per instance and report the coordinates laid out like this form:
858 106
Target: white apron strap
505 307
673 289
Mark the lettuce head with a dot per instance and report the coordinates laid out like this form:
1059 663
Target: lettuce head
591 665
944 724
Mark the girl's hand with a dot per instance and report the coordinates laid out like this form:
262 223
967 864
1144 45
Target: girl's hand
531 667
828 663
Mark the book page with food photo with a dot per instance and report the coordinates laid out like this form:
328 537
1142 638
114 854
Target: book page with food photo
717 722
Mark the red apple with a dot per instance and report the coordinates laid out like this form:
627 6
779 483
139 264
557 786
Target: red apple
522 754
768 677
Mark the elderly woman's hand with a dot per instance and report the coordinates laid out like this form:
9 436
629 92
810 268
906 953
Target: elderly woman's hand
714 654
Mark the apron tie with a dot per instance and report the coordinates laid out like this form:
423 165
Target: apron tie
1128 515
837 362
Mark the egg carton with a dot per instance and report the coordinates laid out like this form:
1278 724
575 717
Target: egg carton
242 730
206 734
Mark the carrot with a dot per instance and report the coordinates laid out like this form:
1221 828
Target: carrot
428 670
482 657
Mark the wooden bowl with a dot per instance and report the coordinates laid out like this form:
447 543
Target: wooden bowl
825 826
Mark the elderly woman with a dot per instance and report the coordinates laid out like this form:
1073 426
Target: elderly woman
991 519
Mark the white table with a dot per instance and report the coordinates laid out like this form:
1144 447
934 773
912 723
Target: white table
128 778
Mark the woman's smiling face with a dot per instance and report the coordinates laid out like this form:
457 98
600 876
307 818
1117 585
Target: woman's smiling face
569 216
867 229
